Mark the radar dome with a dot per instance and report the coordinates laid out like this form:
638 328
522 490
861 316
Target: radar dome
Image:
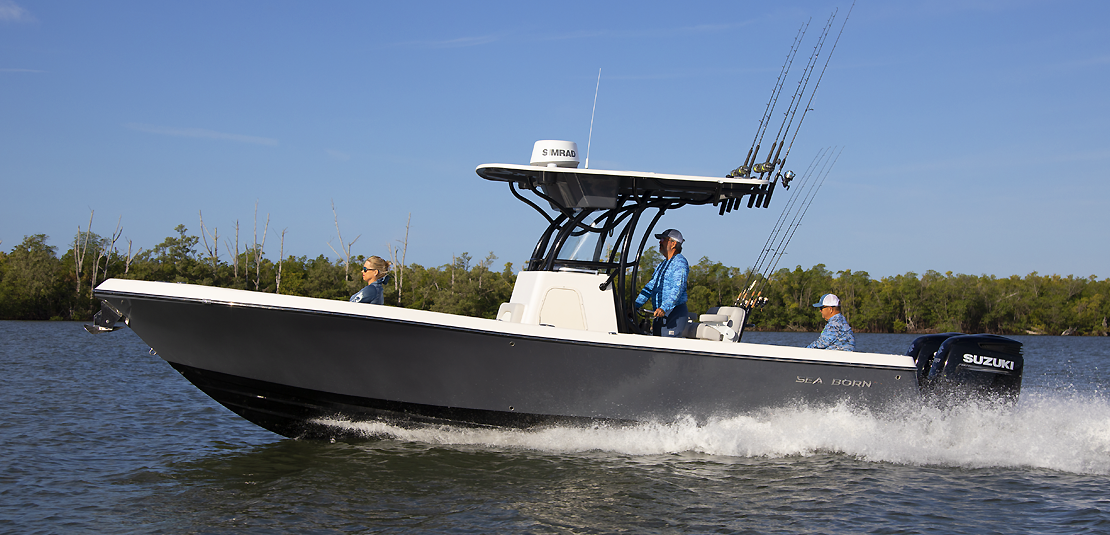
554 153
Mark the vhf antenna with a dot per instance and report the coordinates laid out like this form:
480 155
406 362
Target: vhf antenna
591 138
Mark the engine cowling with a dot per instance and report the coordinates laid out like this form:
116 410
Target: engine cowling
923 349
977 364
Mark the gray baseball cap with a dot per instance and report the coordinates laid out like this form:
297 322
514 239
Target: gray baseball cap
672 234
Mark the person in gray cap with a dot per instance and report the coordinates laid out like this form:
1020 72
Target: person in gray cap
667 287
837 333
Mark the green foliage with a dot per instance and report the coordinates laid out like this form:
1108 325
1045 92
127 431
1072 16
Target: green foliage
36 284
455 288
933 302
32 282
712 284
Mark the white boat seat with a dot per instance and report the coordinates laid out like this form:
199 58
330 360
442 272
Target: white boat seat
705 332
721 323
717 318
736 315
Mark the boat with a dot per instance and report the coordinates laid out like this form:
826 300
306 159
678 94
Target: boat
567 349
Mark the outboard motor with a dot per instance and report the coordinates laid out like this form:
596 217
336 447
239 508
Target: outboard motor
978 364
923 349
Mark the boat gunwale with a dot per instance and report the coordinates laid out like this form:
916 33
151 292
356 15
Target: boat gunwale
123 294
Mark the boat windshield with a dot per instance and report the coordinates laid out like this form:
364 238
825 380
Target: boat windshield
585 245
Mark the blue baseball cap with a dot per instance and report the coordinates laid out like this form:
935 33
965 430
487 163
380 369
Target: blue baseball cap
671 234
827 300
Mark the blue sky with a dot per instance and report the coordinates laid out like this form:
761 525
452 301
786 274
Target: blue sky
974 132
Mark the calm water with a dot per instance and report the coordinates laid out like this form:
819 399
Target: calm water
99 436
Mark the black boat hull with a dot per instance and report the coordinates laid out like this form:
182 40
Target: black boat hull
285 363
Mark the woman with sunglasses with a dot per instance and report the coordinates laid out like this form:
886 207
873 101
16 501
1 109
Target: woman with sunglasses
375 271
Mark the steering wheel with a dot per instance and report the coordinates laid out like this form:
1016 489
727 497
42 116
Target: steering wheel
643 320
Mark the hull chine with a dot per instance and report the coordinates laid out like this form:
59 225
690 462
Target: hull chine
304 414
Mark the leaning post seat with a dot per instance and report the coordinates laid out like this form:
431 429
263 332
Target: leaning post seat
721 324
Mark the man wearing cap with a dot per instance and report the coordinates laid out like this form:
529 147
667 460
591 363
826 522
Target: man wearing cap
837 333
667 287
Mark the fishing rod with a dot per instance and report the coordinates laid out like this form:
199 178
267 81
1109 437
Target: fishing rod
824 172
773 161
772 102
819 77
796 100
778 229
762 198
810 181
752 297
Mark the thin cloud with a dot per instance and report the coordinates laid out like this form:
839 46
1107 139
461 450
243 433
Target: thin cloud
691 73
582 34
200 133
464 42
20 70
12 12
460 42
650 32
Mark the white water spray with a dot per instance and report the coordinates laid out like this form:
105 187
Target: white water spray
1070 434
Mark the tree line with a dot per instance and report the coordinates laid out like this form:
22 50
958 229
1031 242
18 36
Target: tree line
38 284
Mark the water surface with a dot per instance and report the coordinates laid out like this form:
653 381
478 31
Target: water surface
100 436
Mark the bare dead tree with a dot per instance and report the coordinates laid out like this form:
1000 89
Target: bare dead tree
399 280
99 250
393 262
105 249
281 260
234 257
130 257
214 249
485 265
346 247
112 251
258 247
80 247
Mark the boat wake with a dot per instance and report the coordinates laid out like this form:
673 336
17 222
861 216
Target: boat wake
1069 433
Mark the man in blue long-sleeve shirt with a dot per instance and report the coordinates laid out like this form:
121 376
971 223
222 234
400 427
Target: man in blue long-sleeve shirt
837 333
667 287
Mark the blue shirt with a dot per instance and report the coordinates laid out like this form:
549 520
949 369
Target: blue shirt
836 335
667 287
372 293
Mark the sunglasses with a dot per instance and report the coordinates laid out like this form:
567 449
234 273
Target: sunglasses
365 269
